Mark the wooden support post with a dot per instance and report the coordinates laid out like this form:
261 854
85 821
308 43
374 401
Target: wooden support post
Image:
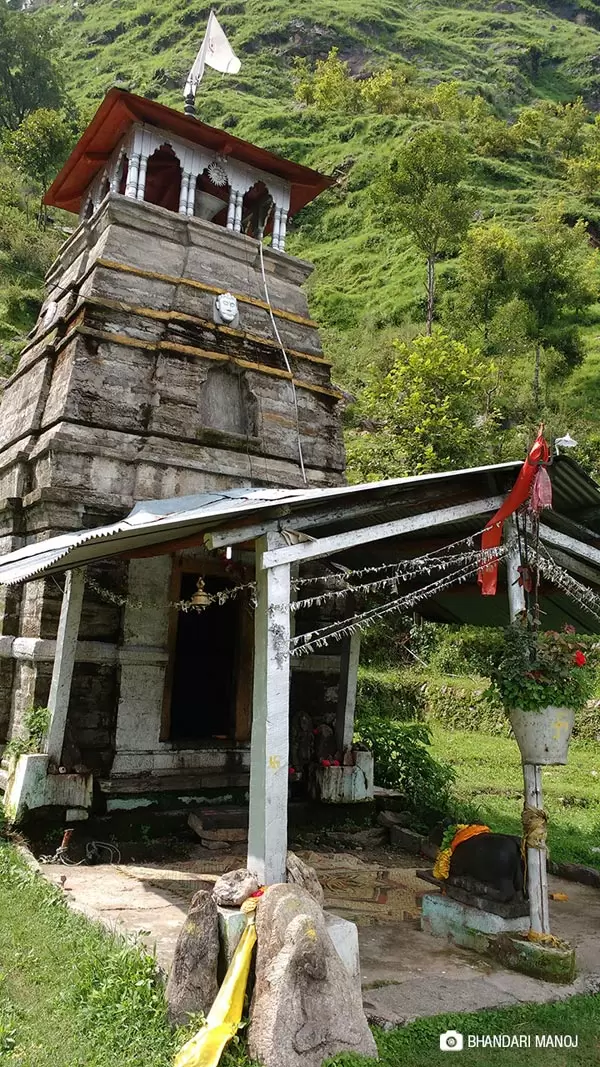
537 871
537 874
344 725
64 661
269 750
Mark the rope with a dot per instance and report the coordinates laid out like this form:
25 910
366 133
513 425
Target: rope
535 822
546 939
287 362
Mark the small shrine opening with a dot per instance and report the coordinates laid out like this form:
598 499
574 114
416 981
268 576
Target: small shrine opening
163 179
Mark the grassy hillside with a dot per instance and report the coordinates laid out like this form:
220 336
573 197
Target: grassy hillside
369 282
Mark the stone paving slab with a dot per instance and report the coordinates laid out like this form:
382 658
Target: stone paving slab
405 972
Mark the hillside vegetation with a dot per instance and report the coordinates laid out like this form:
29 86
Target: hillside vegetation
517 83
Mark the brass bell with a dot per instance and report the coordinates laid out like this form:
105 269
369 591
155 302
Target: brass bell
201 599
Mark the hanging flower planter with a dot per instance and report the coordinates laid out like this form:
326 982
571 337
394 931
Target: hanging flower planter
543 678
543 736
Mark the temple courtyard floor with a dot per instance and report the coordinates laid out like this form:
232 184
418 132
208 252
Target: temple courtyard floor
406 973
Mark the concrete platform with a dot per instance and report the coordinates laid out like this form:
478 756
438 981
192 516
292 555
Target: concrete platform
405 972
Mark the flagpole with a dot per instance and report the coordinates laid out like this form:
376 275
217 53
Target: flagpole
190 97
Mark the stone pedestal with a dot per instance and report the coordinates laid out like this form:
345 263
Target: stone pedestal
465 926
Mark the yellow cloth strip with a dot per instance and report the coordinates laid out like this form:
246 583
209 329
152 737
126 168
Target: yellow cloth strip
206 1047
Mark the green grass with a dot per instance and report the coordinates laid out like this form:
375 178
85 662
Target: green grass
417 1045
73 996
489 787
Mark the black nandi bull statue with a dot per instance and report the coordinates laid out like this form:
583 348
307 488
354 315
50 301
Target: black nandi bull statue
474 861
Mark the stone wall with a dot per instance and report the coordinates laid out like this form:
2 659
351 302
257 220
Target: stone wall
130 390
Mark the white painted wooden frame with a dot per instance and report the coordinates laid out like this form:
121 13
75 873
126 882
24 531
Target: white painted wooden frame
327 546
269 747
64 662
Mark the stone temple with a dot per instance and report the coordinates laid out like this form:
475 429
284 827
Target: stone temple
174 355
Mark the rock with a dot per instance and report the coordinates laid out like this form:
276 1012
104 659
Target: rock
192 984
234 887
220 846
233 834
394 818
299 873
305 1007
407 839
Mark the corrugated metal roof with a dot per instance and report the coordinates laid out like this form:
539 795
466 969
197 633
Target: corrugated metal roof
323 511
159 521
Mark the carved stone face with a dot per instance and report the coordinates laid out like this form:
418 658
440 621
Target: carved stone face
227 307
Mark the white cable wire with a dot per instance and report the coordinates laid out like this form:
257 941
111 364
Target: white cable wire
285 356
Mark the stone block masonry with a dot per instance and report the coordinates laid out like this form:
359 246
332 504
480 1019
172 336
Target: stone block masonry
132 388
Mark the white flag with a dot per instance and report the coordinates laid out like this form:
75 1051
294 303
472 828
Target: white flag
216 52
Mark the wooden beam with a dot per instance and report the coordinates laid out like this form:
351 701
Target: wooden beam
284 518
269 749
346 707
570 544
591 576
327 546
64 662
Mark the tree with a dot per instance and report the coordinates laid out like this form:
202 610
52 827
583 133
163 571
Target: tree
28 79
488 272
39 146
555 285
428 413
423 191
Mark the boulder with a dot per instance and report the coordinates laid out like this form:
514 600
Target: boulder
299 873
305 1008
234 887
192 984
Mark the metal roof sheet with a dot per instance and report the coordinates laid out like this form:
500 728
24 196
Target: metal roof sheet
158 522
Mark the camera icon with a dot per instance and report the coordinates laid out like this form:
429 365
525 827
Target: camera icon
451 1041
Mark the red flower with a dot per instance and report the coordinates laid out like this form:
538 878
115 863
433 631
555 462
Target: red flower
292 770
316 731
325 763
580 659
335 763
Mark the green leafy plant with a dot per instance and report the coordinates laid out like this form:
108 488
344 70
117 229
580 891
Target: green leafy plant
536 670
403 762
36 724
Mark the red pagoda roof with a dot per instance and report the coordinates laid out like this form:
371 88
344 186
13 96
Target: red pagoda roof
120 109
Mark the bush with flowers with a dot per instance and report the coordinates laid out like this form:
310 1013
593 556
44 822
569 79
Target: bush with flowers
542 668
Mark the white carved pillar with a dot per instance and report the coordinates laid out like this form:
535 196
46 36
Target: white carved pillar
191 198
141 185
183 195
239 203
283 230
132 176
231 209
276 227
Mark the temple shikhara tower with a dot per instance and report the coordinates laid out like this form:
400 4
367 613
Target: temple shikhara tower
174 355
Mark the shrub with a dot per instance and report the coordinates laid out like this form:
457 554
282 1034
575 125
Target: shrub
392 694
466 650
403 762
464 704
36 722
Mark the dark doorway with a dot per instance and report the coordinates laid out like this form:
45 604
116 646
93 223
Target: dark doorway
205 666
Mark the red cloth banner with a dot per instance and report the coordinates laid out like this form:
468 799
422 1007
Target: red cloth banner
519 495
